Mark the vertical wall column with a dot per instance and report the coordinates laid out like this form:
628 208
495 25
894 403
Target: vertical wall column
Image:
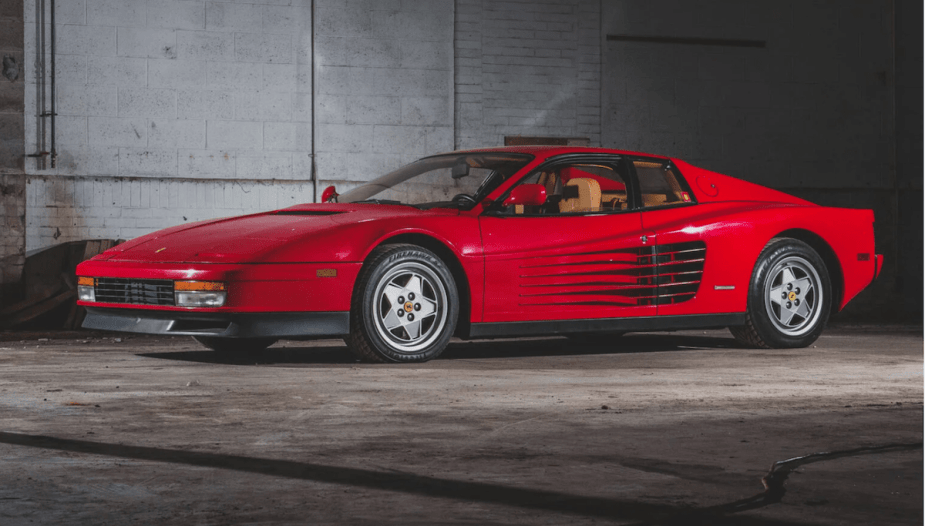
12 178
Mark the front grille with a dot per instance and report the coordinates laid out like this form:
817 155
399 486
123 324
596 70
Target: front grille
135 291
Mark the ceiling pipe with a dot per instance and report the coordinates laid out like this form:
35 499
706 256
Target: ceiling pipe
54 151
313 168
40 86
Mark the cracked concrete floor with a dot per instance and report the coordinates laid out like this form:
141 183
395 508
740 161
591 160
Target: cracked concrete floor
540 431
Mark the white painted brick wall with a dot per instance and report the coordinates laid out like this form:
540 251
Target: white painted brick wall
61 209
385 85
155 94
166 97
526 68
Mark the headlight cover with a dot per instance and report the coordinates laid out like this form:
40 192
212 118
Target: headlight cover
199 293
85 290
85 293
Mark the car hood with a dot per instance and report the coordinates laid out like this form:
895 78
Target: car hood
259 237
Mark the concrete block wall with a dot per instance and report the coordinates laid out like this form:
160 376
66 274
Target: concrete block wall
527 68
12 178
811 109
176 110
384 85
816 112
173 108
218 95
909 155
62 209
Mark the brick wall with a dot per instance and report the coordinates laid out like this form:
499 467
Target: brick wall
215 97
384 85
62 209
811 113
172 98
811 109
175 110
527 68
909 155
12 180
169 111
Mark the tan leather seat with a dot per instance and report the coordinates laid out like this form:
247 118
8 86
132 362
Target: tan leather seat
653 199
588 199
613 200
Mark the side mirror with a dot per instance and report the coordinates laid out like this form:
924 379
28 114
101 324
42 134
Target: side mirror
460 170
329 195
527 194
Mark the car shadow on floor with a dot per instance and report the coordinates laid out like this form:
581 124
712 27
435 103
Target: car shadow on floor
298 353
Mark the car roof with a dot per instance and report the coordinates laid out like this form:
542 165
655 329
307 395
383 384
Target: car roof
552 151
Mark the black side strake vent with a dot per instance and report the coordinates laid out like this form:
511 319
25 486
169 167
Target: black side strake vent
679 268
307 213
630 277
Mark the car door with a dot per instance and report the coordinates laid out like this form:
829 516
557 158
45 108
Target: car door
584 254
668 209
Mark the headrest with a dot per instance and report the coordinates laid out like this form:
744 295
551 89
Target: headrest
607 185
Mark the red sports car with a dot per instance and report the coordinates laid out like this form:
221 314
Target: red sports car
492 243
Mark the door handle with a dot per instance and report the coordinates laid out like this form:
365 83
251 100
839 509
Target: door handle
644 239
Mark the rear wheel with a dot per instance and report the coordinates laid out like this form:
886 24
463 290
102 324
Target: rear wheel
235 345
405 306
789 298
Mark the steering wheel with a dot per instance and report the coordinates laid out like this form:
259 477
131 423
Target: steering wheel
464 199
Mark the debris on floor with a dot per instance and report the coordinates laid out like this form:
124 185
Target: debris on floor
49 287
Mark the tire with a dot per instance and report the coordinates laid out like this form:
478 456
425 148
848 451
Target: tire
414 282
235 345
789 297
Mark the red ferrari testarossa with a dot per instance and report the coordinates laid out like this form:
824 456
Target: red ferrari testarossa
496 243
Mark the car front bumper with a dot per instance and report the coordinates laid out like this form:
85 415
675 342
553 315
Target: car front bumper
220 324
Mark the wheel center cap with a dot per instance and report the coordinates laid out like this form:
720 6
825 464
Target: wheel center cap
409 306
792 296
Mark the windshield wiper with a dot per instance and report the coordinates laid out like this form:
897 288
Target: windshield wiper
380 201
384 202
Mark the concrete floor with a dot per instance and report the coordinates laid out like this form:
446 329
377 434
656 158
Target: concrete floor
653 430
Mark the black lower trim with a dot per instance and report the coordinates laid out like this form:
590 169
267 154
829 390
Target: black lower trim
222 325
649 323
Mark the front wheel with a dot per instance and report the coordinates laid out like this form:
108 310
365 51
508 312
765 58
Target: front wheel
405 306
789 298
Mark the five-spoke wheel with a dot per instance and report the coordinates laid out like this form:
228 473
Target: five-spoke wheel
412 306
788 298
794 299
405 306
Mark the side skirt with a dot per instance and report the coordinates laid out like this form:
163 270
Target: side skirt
649 323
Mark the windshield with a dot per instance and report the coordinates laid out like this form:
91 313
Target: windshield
452 180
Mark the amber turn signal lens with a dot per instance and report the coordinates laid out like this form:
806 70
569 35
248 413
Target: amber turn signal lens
85 281
198 285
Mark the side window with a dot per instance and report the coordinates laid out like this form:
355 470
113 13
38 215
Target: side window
658 184
576 189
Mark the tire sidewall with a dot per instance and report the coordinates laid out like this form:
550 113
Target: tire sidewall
775 252
370 281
